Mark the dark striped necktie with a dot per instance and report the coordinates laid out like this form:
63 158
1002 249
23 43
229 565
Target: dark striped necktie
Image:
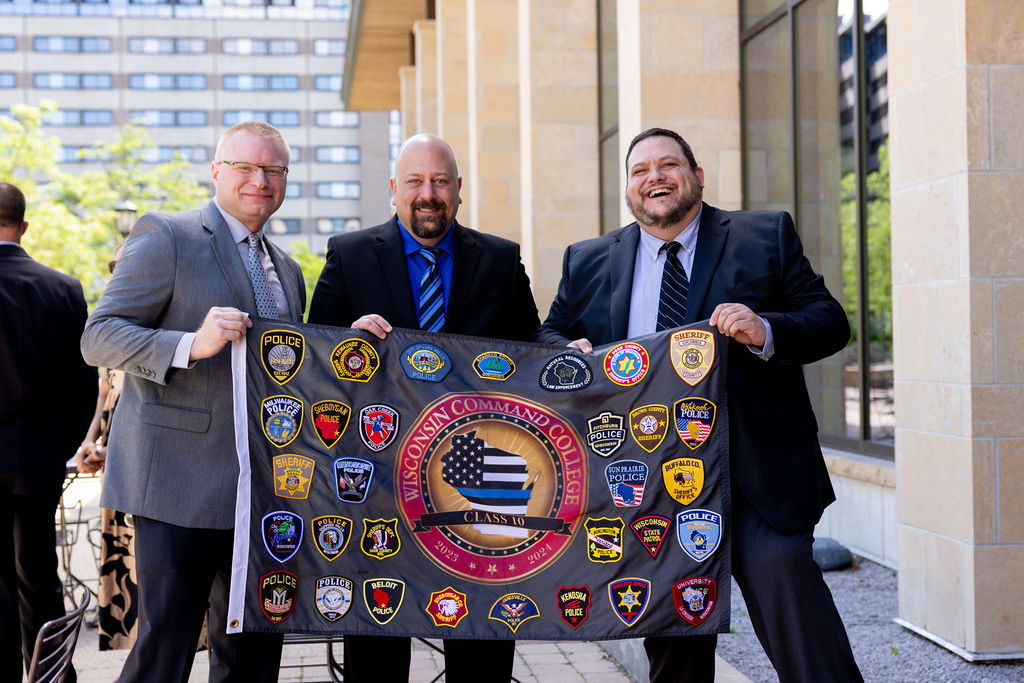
674 288
431 292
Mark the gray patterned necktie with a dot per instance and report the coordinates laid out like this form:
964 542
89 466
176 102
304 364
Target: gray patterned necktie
265 306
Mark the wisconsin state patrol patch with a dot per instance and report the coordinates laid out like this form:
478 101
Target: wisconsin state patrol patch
566 372
378 426
604 539
692 353
573 604
282 352
649 425
333 597
512 609
694 419
605 433
293 474
626 482
352 479
330 419
699 532
629 598
380 538
684 478
355 359
383 598
277 594
282 534
426 362
494 365
331 534
695 599
282 419
447 607
626 364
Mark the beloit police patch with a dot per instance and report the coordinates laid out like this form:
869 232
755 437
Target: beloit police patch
494 365
282 419
626 364
694 419
426 362
604 539
333 597
699 532
692 353
282 534
573 604
352 479
651 530
447 607
566 372
331 534
378 425
277 594
512 609
605 433
629 598
649 425
282 352
626 482
292 474
695 598
684 478
380 538
383 598
354 359
330 419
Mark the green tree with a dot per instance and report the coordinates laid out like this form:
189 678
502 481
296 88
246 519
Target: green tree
311 264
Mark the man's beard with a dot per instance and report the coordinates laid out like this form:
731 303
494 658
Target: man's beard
676 214
432 226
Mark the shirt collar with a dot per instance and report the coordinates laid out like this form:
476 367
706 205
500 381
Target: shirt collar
687 239
411 246
239 232
13 244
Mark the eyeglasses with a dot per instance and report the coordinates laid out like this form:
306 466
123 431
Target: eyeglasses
245 168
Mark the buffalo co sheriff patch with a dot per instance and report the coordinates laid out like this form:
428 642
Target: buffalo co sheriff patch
684 478
333 597
605 433
355 360
277 595
329 418
282 352
426 362
292 474
281 419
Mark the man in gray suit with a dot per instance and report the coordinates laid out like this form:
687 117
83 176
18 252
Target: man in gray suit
183 289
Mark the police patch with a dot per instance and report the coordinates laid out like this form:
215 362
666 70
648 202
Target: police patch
331 534
293 474
380 538
512 609
629 598
277 594
649 425
604 539
447 607
383 598
605 433
494 365
573 604
566 372
378 426
282 534
626 364
282 419
333 597
330 419
626 482
426 362
684 478
651 530
354 359
695 598
692 353
352 479
282 352
694 418
699 532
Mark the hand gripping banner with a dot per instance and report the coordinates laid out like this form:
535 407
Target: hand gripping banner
436 485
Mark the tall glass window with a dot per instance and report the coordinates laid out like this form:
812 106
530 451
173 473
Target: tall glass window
338 190
340 154
8 80
331 83
337 119
8 44
329 47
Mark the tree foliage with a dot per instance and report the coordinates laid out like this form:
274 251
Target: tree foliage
311 264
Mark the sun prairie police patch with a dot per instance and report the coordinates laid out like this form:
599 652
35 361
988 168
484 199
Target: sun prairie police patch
330 419
566 372
512 609
605 433
282 419
692 353
282 534
604 539
355 359
651 530
494 365
626 364
380 538
277 594
684 478
378 426
426 362
447 607
573 604
699 532
352 479
649 425
695 598
333 597
383 598
629 598
694 419
282 352
293 474
626 482
331 534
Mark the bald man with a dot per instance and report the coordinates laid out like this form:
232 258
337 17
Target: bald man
386 276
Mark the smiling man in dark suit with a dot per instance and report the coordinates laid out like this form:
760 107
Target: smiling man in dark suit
423 270
685 261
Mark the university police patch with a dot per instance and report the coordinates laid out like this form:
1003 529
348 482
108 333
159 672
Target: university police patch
649 425
282 352
447 607
494 365
380 538
378 425
354 359
604 539
282 534
277 594
383 598
292 474
566 372
629 598
651 530
426 362
352 479
331 534
695 598
333 597
626 482
330 419
692 353
605 433
512 609
573 604
699 532
694 419
282 419
684 478
626 364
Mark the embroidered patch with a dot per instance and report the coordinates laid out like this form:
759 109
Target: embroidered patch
494 365
692 353
626 482
355 359
282 419
605 433
282 534
695 598
649 425
447 607
629 598
604 539
694 418
426 362
380 538
573 604
282 352
512 609
566 372
333 597
383 598
651 530
277 594
699 532
626 364
352 479
378 426
331 534
684 478
293 474
330 419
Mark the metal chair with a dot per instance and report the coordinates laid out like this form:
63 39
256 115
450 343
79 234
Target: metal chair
55 646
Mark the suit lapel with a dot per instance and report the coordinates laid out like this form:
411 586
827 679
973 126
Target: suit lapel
226 250
621 262
710 243
391 258
466 259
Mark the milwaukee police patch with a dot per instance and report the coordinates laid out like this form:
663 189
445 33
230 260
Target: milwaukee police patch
277 594
692 353
282 419
694 419
380 538
355 360
605 433
512 609
684 478
649 425
333 597
447 607
426 362
292 474
566 372
604 539
695 598
281 352
330 419
626 364
494 365
699 532
378 426
573 604
651 531
282 534
331 534
383 598
629 598
626 482
352 479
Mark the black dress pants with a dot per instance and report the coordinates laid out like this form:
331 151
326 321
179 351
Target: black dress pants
376 659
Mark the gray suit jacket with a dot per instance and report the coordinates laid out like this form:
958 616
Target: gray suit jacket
171 454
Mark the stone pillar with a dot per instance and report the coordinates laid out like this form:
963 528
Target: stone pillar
452 116
407 86
425 45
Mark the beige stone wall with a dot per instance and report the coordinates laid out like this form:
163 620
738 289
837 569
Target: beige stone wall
425 45
452 112
407 87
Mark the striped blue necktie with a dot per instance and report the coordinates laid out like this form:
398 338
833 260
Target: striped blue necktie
431 293
674 288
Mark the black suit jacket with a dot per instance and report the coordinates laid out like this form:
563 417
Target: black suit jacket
748 257
366 273
48 393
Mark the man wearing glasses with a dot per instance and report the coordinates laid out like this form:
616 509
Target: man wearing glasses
183 288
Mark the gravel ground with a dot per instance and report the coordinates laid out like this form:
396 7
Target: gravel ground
886 653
